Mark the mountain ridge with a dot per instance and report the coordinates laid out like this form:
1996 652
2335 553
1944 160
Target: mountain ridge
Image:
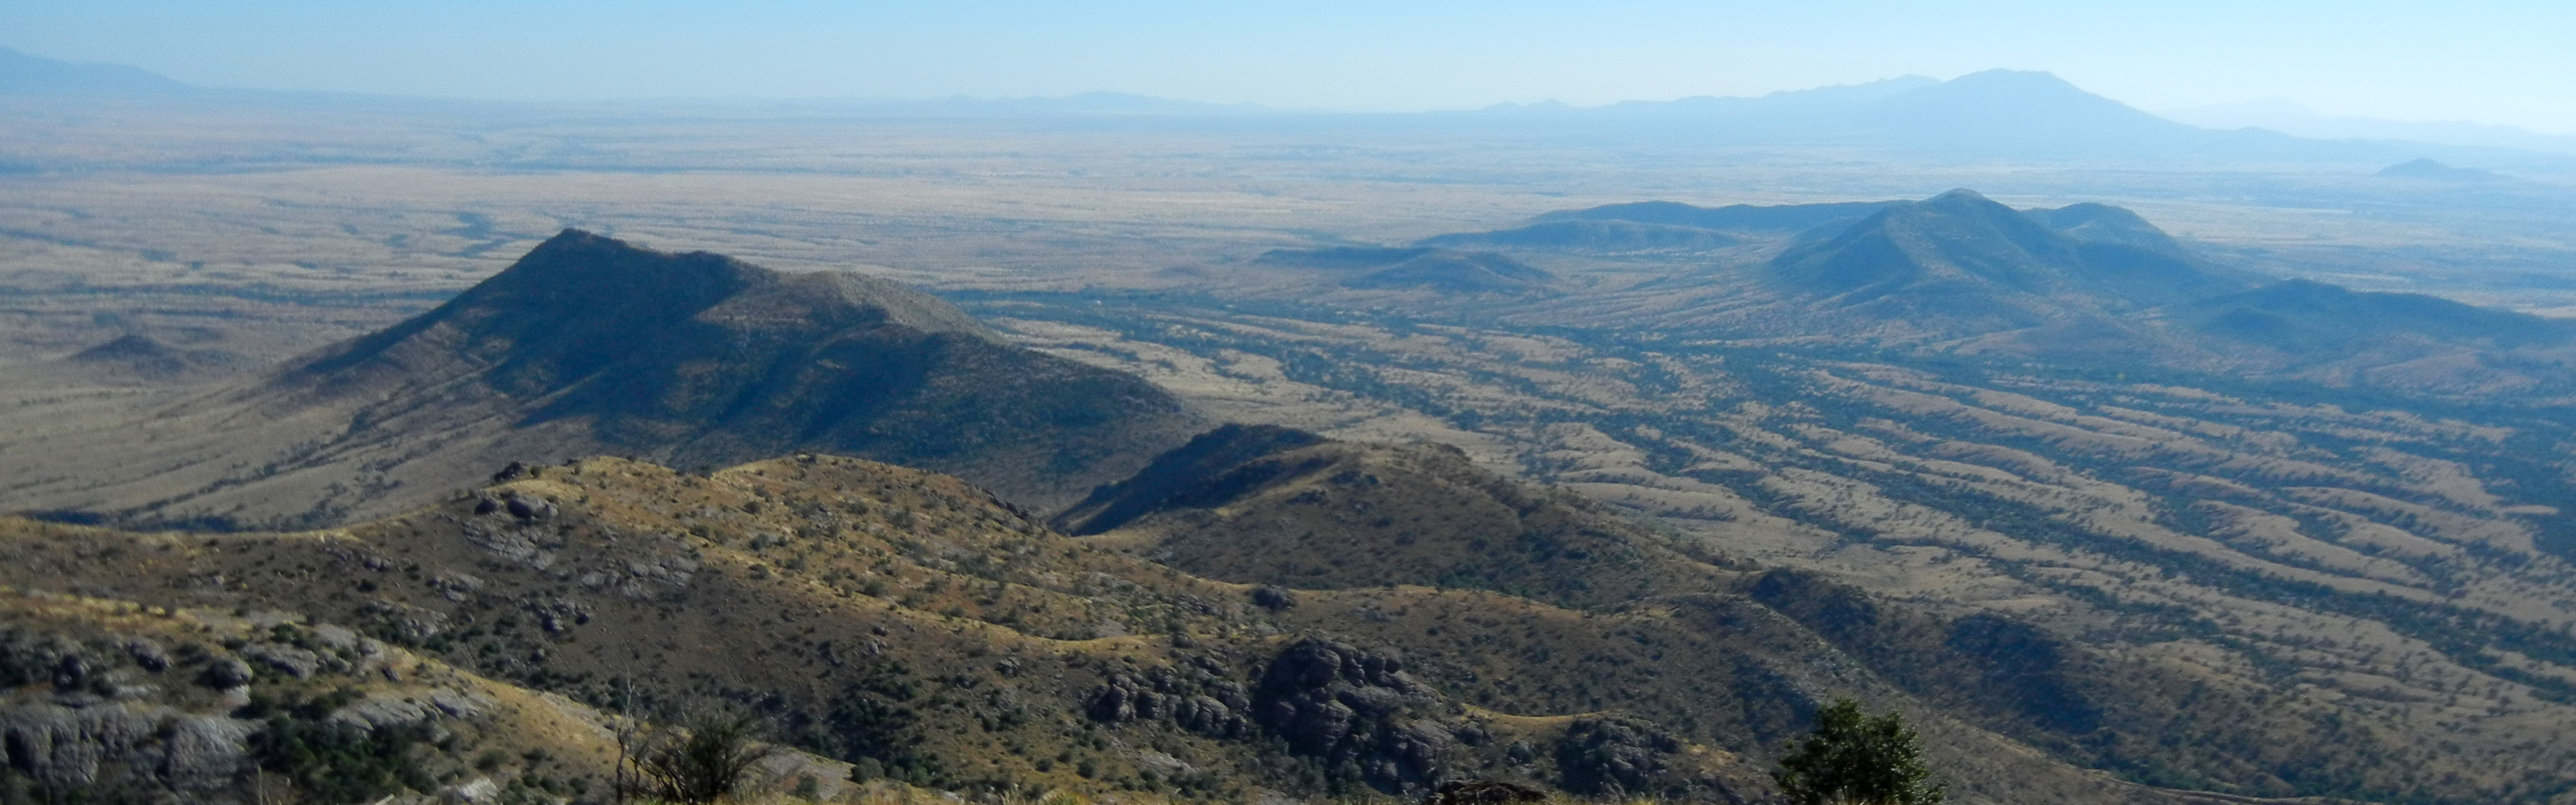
588 345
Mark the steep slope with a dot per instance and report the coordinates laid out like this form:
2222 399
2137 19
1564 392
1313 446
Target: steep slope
589 345
917 628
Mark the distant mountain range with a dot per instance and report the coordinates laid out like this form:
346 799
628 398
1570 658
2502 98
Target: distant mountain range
1997 112
2288 117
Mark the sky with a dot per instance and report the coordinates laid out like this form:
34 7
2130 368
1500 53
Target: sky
2509 63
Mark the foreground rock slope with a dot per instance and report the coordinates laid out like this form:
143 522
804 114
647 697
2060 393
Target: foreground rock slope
917 628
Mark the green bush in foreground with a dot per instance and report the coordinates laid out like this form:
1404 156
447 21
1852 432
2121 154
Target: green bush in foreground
1853 759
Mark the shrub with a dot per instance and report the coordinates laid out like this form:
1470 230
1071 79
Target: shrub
1854 759
703 761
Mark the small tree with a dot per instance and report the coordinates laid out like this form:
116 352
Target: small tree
1853 759
704 761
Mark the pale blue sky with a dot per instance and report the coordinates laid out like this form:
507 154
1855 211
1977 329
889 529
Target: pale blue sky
2494 62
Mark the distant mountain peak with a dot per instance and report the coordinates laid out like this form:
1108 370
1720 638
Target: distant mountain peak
24 74
2022 79
1960 197
2427 169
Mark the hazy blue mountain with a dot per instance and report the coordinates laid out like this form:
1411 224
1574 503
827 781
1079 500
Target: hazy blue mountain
1658 226
23 74
2009 113
1968 251
2288 117
2435 171
2019 108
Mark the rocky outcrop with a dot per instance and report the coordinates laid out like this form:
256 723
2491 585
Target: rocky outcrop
1360 716
1196 697
118 746
1620 758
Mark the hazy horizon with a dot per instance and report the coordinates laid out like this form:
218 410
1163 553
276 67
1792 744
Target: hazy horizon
2493 63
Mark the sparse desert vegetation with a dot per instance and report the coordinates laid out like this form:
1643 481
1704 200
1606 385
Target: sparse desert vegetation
1594 461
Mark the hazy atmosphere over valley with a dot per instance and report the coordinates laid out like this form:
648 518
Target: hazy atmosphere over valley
1146 403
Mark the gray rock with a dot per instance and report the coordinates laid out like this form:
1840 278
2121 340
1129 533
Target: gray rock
296 662
104 746
71 672
1273 598
148 654
229 672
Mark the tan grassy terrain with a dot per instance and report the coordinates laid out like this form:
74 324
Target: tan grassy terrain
2391 563
2286 542
912 624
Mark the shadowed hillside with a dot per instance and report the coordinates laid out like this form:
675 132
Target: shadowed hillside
1270 505
589 345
